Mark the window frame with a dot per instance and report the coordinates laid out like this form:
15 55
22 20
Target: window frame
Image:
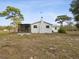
55 28
35 26
47 26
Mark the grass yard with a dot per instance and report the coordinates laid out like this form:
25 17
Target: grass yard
39 46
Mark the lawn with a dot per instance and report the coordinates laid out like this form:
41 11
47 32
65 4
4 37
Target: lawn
39 46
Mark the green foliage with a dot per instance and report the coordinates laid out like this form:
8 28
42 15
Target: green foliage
62 30
75 7
62 18
77 25
2 27
4 13
75 11
5 27
13 14
77 18
12 9
8 27
70 28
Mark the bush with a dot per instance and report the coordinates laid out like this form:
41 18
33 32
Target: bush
77 25
62 30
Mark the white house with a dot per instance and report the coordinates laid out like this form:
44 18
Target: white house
38 27
41 27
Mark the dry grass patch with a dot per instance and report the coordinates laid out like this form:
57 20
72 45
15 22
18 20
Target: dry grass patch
39 46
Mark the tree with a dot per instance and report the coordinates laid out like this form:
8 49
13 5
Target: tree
62 18
75 11
13 14
70 23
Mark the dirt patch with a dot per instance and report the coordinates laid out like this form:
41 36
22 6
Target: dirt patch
39 46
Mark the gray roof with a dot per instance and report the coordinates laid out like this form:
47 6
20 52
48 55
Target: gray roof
43 21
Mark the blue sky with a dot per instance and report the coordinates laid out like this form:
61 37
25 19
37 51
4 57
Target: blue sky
31 9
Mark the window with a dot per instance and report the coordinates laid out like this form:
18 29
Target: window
52 31
35 26
47 26
55 28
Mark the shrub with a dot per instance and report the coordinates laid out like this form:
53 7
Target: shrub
77 25
62 30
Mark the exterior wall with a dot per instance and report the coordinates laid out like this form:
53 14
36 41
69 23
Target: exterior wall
35 30
41 28
55 28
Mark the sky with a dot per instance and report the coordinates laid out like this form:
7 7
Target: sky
32 10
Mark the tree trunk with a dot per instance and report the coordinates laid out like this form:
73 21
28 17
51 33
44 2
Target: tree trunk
61 24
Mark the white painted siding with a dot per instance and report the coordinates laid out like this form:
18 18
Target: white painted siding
41 27
35 30
55 28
